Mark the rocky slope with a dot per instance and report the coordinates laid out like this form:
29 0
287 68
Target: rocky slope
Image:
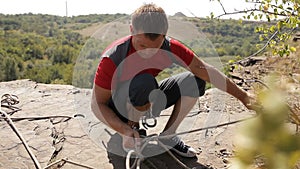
46 121
58 126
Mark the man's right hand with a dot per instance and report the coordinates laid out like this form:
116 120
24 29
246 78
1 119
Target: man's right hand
131 139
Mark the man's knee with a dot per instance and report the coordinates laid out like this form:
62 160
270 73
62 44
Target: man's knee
140 88
192 86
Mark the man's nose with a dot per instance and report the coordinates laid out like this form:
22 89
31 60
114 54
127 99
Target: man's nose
147 53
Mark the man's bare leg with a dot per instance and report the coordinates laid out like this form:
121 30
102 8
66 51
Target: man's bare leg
181 108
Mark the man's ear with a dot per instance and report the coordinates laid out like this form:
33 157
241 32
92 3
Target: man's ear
131 29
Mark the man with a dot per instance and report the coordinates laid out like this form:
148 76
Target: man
125 87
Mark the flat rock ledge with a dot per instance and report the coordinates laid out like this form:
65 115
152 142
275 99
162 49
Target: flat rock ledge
66 133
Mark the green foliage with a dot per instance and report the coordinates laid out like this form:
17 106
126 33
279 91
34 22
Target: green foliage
29 50
94 18
173 70
283 18
229 67
267 138
10 69
46 48
230 37
87 62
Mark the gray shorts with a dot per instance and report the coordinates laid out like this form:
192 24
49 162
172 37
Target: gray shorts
144 88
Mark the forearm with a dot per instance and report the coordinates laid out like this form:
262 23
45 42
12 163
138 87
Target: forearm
222 82
106 115
219 80
236 91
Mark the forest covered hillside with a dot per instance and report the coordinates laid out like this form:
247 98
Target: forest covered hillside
66 50
45 48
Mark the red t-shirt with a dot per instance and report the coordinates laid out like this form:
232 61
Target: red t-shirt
134 64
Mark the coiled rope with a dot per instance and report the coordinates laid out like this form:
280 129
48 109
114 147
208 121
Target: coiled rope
10 100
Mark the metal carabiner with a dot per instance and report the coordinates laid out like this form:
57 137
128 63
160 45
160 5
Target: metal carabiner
146 124
149 116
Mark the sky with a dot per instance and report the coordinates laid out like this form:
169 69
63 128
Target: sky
199 8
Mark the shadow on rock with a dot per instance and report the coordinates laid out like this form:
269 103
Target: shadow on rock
155 157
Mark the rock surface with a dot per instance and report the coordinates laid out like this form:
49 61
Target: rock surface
88 142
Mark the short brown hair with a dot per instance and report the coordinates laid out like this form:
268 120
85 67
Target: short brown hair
150 19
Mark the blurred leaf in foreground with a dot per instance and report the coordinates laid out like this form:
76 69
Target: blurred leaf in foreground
267 141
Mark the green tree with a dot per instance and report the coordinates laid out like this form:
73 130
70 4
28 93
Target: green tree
10 69
267 138
282 17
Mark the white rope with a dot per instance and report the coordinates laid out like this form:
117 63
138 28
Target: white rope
155 137
140 158
15 129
